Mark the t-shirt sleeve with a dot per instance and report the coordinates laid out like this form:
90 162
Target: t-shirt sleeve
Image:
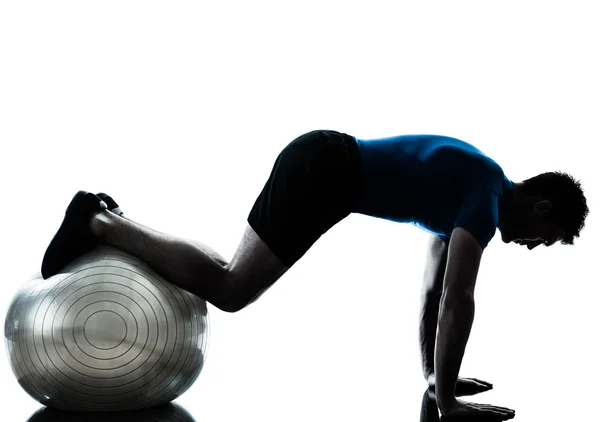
479 215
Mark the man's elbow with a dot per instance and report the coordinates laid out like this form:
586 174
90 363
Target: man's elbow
463 299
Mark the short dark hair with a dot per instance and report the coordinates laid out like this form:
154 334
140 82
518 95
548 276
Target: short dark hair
569 206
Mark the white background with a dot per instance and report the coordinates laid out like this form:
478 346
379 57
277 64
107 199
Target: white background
179 109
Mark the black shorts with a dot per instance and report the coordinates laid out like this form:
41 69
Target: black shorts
315 183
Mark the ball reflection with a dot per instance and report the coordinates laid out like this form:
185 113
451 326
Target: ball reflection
166 413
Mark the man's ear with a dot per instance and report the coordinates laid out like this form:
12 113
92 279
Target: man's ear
542 208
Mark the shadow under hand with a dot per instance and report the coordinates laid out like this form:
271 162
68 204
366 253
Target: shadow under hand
170 412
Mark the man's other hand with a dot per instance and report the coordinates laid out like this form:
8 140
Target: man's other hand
464 386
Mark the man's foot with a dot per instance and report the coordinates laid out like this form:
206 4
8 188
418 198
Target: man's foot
110 203
74 237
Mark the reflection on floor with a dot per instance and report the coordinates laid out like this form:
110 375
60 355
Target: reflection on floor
429 409
174 413
166 413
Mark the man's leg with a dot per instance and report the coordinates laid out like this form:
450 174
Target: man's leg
228 286
205 248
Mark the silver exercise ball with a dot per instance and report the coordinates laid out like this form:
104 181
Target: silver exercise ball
105 334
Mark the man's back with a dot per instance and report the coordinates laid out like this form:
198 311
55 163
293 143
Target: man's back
435 182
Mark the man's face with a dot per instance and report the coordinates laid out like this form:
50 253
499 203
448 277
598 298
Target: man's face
545 238
530 228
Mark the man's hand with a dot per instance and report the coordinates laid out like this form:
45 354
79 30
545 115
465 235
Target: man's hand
463 409
464 386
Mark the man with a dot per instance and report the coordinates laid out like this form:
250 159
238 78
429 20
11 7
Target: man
441 184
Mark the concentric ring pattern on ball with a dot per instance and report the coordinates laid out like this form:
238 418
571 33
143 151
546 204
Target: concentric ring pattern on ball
105 334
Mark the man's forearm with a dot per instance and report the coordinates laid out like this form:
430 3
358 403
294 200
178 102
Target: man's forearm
428 321
455 322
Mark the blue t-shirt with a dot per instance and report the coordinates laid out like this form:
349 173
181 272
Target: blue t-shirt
434 182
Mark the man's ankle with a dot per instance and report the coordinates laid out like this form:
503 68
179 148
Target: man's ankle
99 221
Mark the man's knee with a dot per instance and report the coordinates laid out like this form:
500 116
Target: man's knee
231 307
233 304
240 288
233 297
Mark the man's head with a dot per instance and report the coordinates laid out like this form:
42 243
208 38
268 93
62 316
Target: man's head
544 209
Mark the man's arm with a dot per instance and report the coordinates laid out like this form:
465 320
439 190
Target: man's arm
456 312
431 293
